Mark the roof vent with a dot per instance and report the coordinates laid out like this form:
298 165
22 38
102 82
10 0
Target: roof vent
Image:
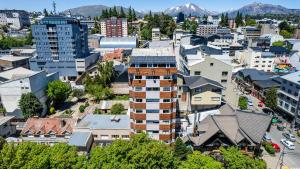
115 118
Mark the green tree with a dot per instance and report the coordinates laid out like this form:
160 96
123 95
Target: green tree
234 159
243 102
78 93
115 12
2 110
181 150
199 161
122 13
239 19
117 108
45 12
58 92
133 15
286 34
30 105
146 34
2 142
271 98
129 14
278 43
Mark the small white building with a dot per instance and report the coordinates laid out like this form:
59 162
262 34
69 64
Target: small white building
261 60
156 34
15 82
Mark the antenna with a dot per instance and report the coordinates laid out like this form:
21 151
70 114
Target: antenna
54 7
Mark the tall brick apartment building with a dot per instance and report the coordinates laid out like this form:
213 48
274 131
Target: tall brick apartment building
153 86
114 27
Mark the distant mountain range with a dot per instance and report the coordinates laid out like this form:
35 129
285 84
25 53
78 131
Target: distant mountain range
94 10
260 8
190 8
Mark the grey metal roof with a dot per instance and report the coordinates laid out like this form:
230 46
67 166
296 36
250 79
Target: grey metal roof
236 127
267 83
5 119
79 138
255 74
267 55
92 121
197 81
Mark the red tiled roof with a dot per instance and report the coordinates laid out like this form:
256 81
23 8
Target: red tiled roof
38 126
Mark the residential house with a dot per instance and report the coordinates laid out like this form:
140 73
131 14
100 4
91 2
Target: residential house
48 130
197 93
105 128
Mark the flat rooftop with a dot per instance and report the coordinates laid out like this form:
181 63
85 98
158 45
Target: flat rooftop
292 77
168 51
12 58
17 73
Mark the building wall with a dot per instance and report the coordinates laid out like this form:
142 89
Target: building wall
107 135
288 98
204 30
114 27
12 91
261 63
7 129
215 69
58 45
153 101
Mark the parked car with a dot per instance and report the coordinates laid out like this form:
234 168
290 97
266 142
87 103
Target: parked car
287 144
280 127
276 147
266 138
260 104
289 137
250 103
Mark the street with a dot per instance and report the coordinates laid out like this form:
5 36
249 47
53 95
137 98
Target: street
291 157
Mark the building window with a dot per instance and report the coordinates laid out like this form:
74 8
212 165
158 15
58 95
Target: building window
125 136
283 88
197 73
152 111
139 100
289 91
198 98
167 89
166 121
115 136
152 100
104 137
167 77
211 64
138 111
166 100
291 84
215 98
280 103
152 89
138 77
137 89
224 73
293 110
152 77
167 111
139 121
223 81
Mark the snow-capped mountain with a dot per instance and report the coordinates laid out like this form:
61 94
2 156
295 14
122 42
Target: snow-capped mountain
261 8
188 9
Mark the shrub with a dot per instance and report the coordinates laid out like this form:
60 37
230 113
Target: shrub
243 101
77 93
298 133
268 147
52 110
82 108
97 111
117 108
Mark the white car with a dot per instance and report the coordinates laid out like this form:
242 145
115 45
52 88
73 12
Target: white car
250 103
287 144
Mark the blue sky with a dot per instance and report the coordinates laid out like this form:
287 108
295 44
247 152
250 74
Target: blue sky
154 5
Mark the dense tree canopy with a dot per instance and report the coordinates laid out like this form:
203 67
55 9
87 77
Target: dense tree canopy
117 108
138 152
30 105
190 26
7 42
243 102
199 161
271 98
58 91
234 159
